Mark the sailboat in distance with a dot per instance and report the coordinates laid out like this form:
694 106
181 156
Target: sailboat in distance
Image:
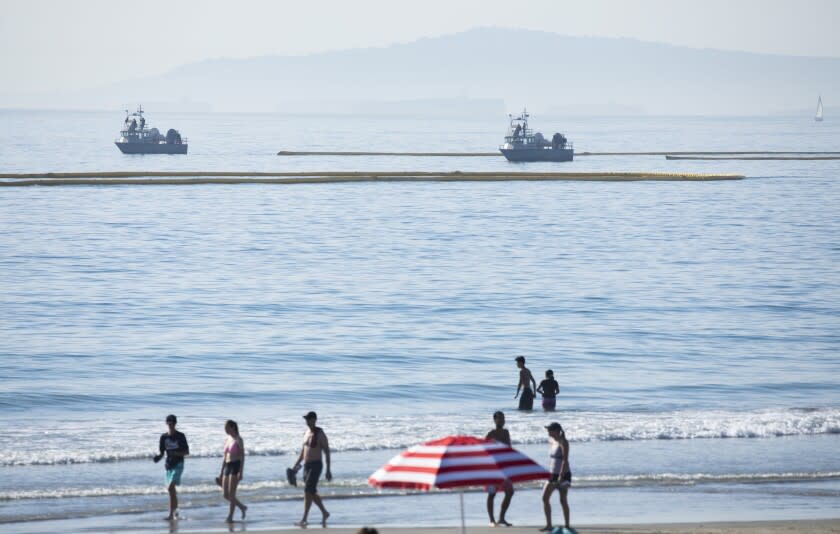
818 116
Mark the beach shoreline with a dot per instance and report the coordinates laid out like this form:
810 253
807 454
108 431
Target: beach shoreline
815 526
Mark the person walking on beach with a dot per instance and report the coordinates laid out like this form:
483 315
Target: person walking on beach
549 388
561 474
233 468
527 385
500 434
174 445
314 444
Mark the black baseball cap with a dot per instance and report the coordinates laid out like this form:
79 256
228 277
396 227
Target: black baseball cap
554 426
311 415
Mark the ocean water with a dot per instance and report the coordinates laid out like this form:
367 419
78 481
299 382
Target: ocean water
693 326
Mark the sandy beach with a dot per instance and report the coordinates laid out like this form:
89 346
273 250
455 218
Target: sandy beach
816 526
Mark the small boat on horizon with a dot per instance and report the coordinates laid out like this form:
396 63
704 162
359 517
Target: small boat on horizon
135 138
819 116
522 144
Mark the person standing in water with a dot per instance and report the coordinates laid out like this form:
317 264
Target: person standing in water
549 388
501 435
233 468
527 385
314 444
174 445
561 474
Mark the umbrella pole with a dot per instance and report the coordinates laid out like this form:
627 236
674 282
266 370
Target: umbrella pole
463 524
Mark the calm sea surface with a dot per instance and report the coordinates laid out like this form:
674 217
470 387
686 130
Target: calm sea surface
693 326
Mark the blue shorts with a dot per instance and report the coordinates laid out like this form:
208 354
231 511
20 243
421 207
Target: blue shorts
174 475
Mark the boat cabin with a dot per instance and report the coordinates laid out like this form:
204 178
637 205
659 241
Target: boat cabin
521 136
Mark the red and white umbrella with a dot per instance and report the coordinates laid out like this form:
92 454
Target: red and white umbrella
457 462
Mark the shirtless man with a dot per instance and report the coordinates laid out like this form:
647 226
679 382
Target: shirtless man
314 443
527 385
501 435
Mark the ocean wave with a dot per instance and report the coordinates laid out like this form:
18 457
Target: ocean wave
358 487
685 479
73 442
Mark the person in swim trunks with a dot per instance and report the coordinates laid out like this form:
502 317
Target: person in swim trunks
174 445
500 434
561 474
314 445
527 385
233 468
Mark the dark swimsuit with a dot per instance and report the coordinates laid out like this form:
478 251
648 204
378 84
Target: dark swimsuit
549 399
526 401
233 468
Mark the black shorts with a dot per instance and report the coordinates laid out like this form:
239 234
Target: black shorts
561 482
311 474
233 468
526 400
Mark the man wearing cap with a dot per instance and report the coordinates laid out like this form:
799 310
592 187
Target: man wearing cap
174 445
314 444
561 475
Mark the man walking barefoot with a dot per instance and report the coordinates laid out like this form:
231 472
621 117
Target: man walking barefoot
174 445
314 444
501 435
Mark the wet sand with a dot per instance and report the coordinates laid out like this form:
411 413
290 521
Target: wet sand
814 526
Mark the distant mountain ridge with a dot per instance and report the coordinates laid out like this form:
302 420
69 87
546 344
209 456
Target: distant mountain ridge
542 70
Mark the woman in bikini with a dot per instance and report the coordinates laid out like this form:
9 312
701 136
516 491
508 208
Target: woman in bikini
233 465
561 474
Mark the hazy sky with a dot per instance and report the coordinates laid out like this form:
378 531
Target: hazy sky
62 44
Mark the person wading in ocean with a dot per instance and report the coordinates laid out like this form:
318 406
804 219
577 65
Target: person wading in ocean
527 385
314 444
549 388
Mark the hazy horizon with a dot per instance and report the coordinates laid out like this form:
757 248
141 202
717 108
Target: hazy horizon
49 41
107 56
479 72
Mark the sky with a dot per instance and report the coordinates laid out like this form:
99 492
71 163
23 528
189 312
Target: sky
48 45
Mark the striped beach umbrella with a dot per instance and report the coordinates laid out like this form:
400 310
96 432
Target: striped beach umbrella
456 462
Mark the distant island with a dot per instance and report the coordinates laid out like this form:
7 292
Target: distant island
485 71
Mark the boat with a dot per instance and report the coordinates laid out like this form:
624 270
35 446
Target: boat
136 138
522 144
819 116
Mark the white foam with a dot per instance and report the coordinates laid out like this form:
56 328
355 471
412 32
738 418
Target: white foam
74 442
359 486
